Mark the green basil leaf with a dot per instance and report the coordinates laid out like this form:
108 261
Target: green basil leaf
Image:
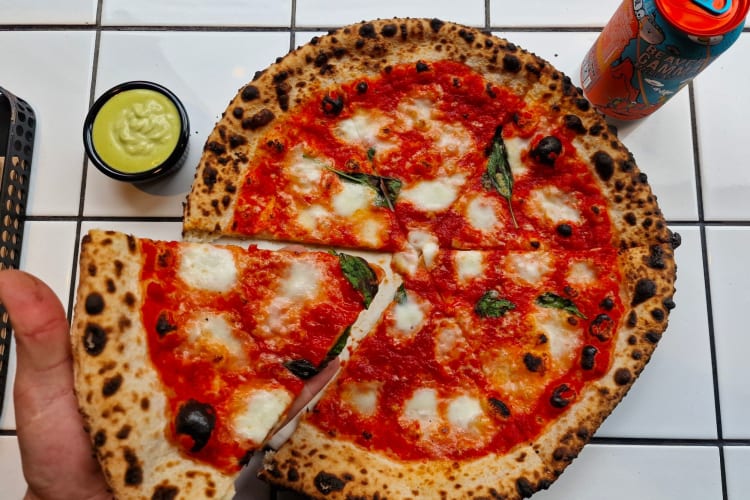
491 305
498 174
361 276
400 296
551 300
338 347
387 189
371 154
302 368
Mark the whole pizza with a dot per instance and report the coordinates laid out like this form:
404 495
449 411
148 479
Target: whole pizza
529 276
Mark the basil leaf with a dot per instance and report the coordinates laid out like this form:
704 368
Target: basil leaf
387 189
371 154
492 306
338 347
498 174
361 276
551 300
302 368
400 296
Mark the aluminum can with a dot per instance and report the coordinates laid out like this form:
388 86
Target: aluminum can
650 49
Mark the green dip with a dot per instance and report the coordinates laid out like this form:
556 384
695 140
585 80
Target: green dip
136 130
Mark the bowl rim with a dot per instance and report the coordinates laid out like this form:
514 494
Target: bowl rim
173 162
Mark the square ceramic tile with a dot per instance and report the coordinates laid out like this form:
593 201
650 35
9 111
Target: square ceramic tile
639 472
737 463
730 280
542 13
11 475
197 13
54 268
674 396
205 85
722 102
334 13
48 12
662 143
52 72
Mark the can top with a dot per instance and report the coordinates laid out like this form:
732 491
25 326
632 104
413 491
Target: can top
704 17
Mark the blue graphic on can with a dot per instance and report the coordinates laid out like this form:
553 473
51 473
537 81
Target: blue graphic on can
665 58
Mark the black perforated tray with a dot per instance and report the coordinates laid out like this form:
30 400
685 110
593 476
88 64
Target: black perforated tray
17 127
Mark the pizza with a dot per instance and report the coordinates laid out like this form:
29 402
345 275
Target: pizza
188 356
533 271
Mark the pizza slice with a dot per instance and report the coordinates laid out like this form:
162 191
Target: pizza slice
188 356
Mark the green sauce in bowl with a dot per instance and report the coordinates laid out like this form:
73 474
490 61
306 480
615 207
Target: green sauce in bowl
136 131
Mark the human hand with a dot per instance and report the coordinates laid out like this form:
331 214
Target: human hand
56 454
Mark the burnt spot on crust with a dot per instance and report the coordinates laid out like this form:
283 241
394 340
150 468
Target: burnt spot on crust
604 165
94 303
111 385
367 30
327 483
524 487
588 357
561 396
210 176
94 339
215 147
236 140
499 407
132 244
511 63
362 87
583 104
436 24
644 290
258 120
574 123
675 239
602 327
389 30
124 432
607 304
165 492
653 337
655 259
332 106
282 95
533 363
466 35
623 376
422 67
134 471
250 93
100 438
292 475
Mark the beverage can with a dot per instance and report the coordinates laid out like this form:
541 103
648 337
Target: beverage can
650 49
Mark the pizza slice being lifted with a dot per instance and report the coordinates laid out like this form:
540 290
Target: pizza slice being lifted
188 356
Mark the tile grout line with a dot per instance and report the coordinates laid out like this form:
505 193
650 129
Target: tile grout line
84 171
707 283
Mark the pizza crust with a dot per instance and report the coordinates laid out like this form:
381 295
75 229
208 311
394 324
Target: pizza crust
119 392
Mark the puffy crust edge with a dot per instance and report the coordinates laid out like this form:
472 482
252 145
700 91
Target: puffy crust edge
119 392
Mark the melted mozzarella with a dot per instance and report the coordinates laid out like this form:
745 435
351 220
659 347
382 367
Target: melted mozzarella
448 342
562 337
371 231
216 330
422 407
362 396
514 147
551 203
264 409
305 172
415 114
453 139
301 283
311 217
582 273
351 198
481 214
207 267
463 411
529 267
409 316
364 128
469 264
426 243
435 195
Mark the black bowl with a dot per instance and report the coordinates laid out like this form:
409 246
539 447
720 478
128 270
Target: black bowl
169 166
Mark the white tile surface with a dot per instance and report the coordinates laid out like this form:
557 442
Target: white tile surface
546 13
653 408
737 459
55 80
639 472
333 13
11 476
722 105
48 12
54 268
197 12
730 281
205 89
